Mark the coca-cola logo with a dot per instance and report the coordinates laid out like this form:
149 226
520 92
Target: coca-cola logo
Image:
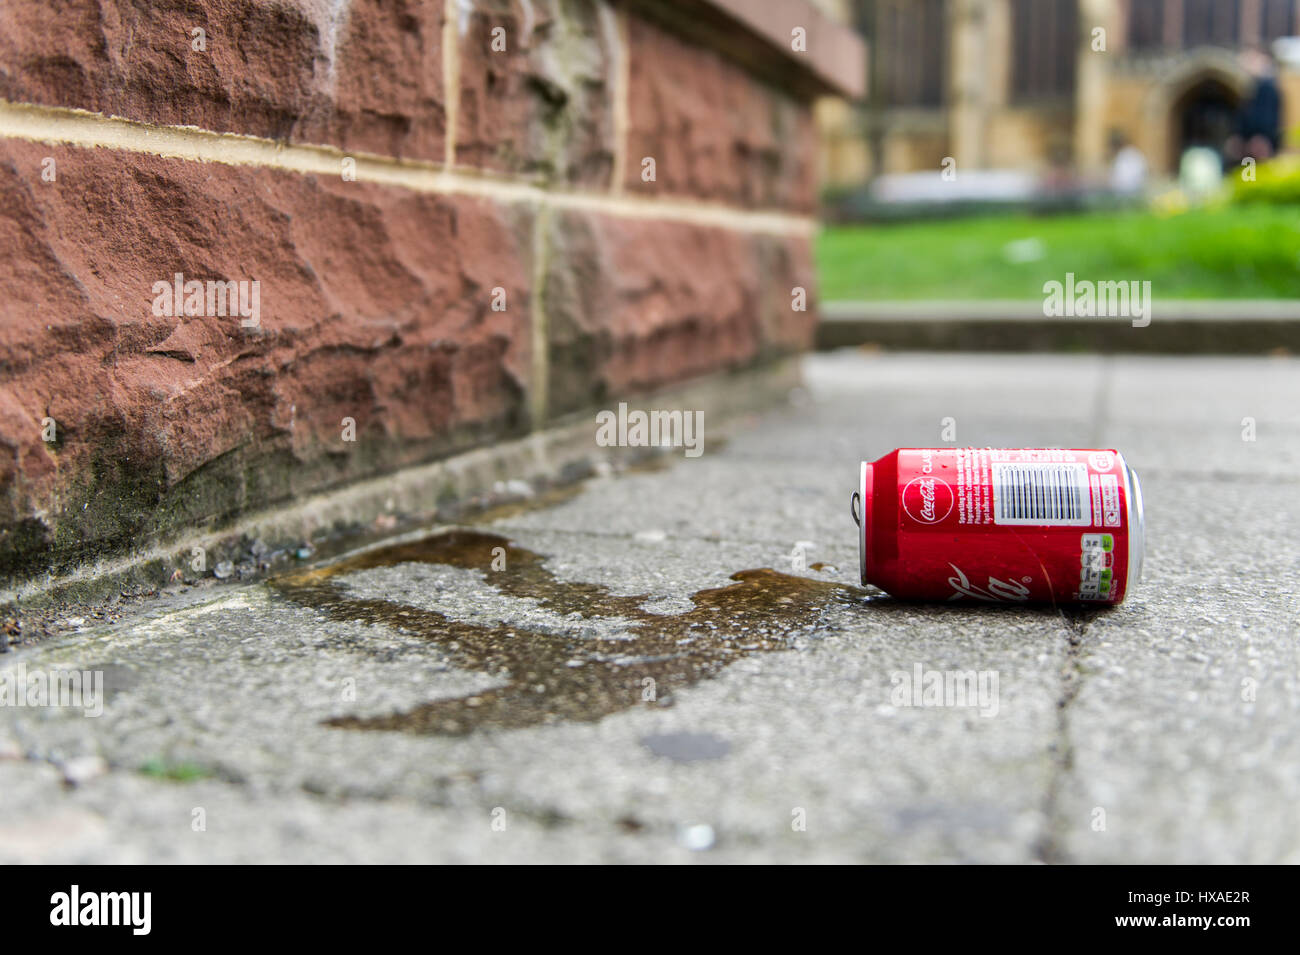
927 500
997 591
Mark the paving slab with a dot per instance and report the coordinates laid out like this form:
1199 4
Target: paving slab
677 664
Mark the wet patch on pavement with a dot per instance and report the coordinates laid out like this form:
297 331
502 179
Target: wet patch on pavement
566 675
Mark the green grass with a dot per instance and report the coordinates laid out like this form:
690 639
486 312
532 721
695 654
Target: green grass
160 768
1225 252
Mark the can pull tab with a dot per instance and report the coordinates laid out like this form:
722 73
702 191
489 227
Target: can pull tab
855 503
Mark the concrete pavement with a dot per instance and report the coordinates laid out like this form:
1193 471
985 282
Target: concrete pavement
586 681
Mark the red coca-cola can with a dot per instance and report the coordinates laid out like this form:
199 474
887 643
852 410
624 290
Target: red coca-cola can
1033 525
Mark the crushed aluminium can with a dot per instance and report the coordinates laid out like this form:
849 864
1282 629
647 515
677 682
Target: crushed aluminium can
1032 525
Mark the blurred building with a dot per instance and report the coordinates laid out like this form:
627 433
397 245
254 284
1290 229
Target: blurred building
1033 84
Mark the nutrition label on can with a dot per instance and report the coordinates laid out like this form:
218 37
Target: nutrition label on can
973 493
1096 562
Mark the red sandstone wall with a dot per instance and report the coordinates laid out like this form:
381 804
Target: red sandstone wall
377 294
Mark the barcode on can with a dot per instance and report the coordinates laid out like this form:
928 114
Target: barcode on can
1055 494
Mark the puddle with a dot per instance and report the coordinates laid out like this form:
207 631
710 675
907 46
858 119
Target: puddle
555 677
687 747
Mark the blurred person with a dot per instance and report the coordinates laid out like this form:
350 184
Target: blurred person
1128 167
1200 172
1059 178
1259 119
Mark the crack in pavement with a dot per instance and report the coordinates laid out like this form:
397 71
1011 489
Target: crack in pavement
1050 847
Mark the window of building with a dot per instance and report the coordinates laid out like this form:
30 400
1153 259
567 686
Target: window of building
1045 43
910 50
1146 24
1280 19
1211 23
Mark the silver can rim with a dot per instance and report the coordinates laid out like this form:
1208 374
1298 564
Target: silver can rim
858 508
1137 524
